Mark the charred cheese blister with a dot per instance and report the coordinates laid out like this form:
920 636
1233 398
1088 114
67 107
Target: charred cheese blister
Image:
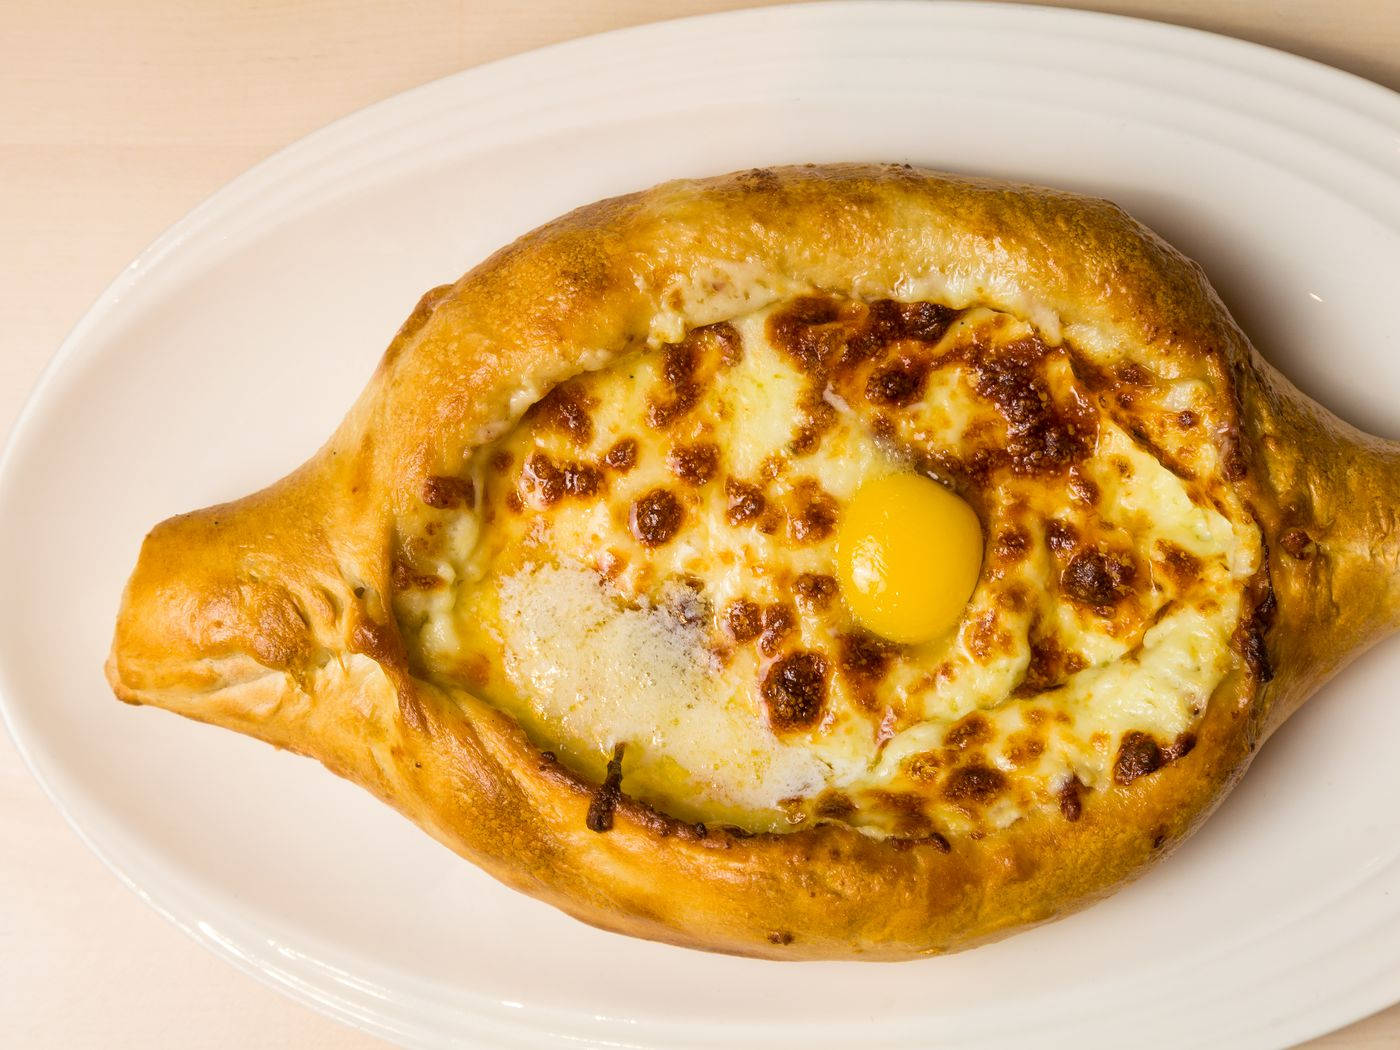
755 558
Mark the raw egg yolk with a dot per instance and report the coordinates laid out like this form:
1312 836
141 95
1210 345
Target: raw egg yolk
908 554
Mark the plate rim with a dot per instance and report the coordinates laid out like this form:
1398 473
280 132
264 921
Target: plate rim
1272 66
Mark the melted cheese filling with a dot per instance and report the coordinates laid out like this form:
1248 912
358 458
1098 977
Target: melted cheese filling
649 560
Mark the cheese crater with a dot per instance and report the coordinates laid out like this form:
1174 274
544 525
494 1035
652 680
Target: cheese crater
653 556
908 553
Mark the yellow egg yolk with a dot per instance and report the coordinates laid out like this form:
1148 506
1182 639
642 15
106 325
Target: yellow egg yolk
908 555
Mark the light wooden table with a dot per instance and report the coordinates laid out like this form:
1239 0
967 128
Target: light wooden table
115 119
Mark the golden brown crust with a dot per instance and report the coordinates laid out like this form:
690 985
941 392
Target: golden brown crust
270 615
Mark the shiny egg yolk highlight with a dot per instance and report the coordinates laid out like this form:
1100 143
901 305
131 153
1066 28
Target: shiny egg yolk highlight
908 554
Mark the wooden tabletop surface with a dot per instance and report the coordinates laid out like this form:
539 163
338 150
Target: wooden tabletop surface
118 116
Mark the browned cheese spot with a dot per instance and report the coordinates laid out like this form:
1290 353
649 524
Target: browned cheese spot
772 467
974 783
887 321
543 478
814 591
984 638
656 517
780 937
805 441
742 620
679 362
501 460
923 766
775 622
1097 579
865 656
694 464
661 414
899 384
1011 545
771 520
1014 598
1023 749
1138 755
926 322
582 479
743 502
817 418
968 732
815 519
550 483
1186 419
622 457
447 493
1041 438
565 408
1181 566
794 691
809 330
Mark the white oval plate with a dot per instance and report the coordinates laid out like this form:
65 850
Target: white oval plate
223 356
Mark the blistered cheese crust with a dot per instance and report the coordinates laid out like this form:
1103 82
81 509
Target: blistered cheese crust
647 560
